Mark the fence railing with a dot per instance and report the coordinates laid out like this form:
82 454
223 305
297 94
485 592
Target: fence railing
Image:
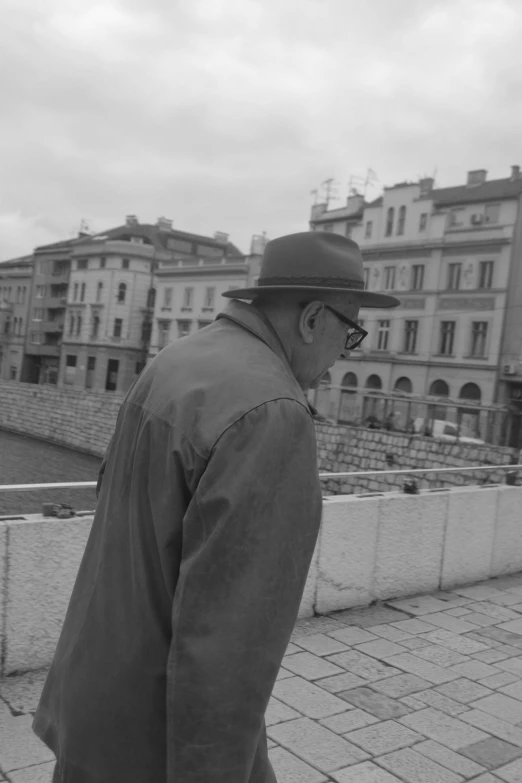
455 420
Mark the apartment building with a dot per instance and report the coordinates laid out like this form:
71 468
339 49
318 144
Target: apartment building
453 257
15 295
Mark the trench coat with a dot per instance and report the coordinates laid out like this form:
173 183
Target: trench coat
207 517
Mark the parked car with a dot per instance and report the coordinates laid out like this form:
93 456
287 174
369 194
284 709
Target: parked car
443 430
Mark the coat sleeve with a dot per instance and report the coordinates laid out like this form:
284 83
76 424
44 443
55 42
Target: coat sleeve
247 546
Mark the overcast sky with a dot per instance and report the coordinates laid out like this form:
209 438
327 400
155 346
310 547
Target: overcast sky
225 114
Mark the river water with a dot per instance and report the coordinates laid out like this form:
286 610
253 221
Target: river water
25 460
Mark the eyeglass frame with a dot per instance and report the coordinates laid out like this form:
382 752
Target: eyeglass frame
358 329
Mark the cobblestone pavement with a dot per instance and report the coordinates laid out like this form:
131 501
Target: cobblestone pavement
418 690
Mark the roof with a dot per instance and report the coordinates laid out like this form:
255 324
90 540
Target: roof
341 213
494 190
14 263
376 203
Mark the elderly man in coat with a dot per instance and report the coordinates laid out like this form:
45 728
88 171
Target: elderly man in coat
208 512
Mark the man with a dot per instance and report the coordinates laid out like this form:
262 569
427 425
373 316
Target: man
208 512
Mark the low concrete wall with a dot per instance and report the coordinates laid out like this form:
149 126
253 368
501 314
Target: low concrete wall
369 549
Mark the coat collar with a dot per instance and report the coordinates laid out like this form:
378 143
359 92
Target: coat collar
258 324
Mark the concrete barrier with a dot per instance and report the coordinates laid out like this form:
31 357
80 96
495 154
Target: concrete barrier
370 548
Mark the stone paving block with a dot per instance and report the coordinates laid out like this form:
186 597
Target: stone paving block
459 611
442 728
289 769
475 670
485 778
39 773
449 759
314 625
514 626
502 707
463 690
457 642
440 702
413 626
424 669
478 592
453 624
367 772
490 656
375 703
492 753
508 649
511 773
19 746
349 721
23 692
292 648
399 686
483 620
514 690
492 725
353 635
363 665
511 665
415 644
516 608
283 673
499 680
500 635
413 767
384 737
390 632
307 698
341 682
277 712
441 656
316 745
507 599
322 644
270 744
372 615
451 599
412 703
419 605
309 666
381 649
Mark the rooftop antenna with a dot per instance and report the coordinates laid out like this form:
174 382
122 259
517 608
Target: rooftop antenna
363 182
329 190
314 193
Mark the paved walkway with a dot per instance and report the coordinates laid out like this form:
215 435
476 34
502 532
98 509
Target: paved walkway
421 690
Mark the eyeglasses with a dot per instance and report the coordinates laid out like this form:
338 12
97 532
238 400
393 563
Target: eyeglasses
356 334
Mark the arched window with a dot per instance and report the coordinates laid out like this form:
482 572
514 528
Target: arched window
79 325
99 289
71 325
390 216
122 291
350 379
470 391
439 389
348 402
404 385
95 326
374 382
401 221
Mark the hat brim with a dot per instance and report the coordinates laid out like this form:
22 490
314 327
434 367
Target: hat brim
365 298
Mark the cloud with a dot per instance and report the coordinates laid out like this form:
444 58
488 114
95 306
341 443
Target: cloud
224 115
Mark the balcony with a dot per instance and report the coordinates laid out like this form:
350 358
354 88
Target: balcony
52 326
43 350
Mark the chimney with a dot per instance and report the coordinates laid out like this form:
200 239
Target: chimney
426 185
477 177
164 224
258 244
220 236
131 220
317 211
355 201
515 173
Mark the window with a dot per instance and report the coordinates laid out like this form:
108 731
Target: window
417 277
70 369
13 373
183 328
82 294
167 297
40 291
20 324
163 333
402 220
411 329
188 296
389 278
179 245
111 381
103 261
99 289
24 292
389 221
366 274
95 327
383 335
368 230
454 271
479 331
78 326
36 338
125 263
486 274
75 294
492 213
71 325
18 294
210 294
82 263
347 230
456 217
423 222
447 338
91 365
122 291
118 322
38 313
139 367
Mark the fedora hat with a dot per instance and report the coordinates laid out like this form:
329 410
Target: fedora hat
316 262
